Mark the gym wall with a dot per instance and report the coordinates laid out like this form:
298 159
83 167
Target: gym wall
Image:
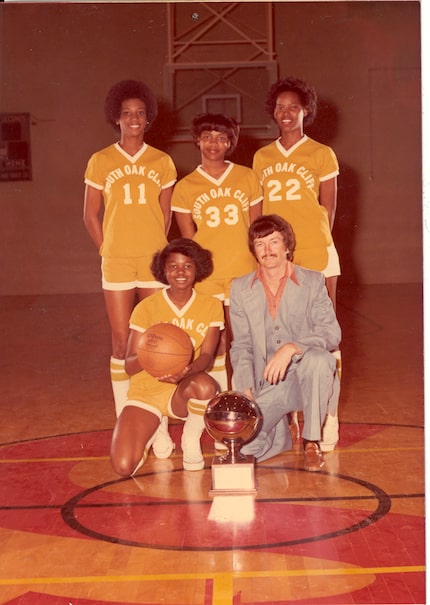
57 62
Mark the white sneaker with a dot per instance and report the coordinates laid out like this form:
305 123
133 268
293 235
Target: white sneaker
163 445
330 433
192 456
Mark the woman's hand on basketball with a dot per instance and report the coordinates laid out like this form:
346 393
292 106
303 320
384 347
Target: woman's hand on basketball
175 378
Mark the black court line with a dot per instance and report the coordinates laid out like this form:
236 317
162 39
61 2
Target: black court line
35 507
110 430
383 501
76 502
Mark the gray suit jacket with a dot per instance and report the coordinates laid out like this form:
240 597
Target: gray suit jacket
311 322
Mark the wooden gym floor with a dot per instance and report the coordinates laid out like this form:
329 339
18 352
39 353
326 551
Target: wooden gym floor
73 533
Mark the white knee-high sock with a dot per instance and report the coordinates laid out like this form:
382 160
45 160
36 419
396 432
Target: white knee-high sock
120 383
193 428
219 372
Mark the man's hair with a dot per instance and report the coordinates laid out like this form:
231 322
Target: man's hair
306 93
218 122
129 89
268 224
202 258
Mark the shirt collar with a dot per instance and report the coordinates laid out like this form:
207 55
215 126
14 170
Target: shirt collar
289 274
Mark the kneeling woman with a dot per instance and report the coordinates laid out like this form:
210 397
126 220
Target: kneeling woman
185 396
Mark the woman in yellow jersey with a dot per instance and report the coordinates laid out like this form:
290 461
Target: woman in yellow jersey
299 178
184 395
214 205
127 213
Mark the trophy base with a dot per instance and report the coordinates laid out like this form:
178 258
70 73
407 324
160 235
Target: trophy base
233 478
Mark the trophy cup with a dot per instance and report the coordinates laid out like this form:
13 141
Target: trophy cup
234 419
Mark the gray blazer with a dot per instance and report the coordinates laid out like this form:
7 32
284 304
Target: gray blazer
311 322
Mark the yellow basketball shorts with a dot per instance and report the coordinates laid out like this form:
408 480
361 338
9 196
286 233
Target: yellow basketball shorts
219 288
158 400
325 260
128 273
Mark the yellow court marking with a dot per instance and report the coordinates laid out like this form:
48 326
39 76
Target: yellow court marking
223 589
219 578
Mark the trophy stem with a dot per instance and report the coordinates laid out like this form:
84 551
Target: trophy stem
234 455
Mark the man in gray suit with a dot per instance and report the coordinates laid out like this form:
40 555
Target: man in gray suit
284 327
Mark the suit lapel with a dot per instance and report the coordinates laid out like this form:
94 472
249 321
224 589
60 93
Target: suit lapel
292 296
256 307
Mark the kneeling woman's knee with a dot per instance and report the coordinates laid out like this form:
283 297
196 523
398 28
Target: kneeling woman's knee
123 465
201 386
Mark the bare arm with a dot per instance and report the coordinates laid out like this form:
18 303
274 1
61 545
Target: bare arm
93 202
328 198
255 211
207 351
186 224
165 204
132 364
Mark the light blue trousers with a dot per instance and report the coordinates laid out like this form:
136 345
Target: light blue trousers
312 386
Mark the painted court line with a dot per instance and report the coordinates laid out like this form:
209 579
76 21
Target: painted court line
280 573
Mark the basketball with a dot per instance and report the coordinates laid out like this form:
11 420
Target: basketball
164 349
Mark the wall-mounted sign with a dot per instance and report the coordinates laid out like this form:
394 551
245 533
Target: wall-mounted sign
15 152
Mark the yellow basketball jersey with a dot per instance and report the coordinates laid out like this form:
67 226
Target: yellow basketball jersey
133 222
199 314
291 180
220 210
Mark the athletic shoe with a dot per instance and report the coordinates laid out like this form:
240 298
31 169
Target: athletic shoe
163 445
330 433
